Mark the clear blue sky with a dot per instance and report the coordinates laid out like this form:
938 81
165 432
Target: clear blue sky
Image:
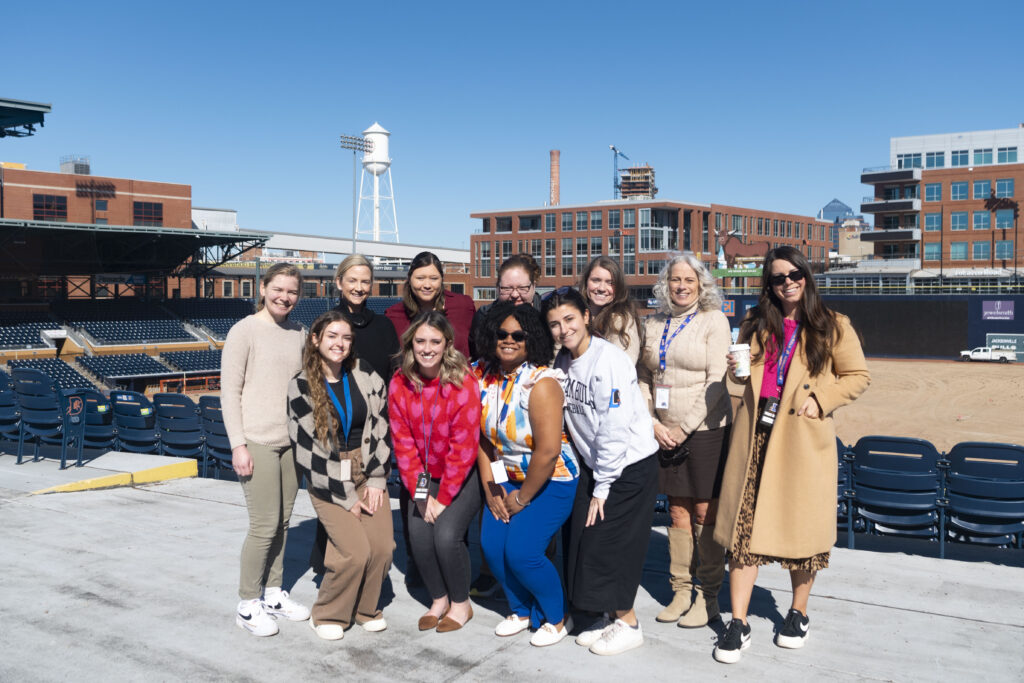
772 105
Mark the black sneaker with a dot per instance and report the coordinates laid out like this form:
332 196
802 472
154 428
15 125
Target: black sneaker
733 642
793 633
485 586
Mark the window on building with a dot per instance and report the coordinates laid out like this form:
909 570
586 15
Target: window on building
932 251
775 227
549 247
704 231
567 247
911 191
1004 218
910 220
549 223
982 220
629 244
580 265
1004 187
101 221
485 225
908 160
567 266
228 289
958 251
933 192
655 267
1004 249
309 289
890 222
148 213
484 293
645 218
958 220
581 220
797 229
932 222
567 222
1006 155
934 159
613 245
503 224
456 287
614 220
595 220
49 207
958 190
536 250
246 287
581 248
760 225
549 266
101 205
980 251
789 228
529 223
628 219
596 243
982 156
629 264
958 157
388 289
890 192
982 189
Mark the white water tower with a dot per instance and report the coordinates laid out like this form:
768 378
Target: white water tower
377 216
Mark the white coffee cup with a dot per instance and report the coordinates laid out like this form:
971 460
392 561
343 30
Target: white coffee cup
741 354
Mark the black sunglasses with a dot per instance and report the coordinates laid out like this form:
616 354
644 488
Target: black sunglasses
561 291
780 279
517 336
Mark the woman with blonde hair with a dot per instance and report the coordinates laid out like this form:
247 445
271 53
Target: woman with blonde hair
682 376
261 354
612 315
337 409
434 406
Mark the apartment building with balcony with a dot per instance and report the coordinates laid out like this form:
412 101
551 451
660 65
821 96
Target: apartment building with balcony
947 209
639 233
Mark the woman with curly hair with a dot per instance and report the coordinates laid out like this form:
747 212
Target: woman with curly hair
338 425
612 315
527 468
778 499
434 406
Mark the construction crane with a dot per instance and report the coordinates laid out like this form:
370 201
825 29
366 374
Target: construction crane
615 169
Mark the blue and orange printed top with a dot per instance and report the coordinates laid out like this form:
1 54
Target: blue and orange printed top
505 419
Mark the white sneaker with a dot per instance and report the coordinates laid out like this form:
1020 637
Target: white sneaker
618 638
547 634
512 625
277 603
251 617
328 631
375 625
593 632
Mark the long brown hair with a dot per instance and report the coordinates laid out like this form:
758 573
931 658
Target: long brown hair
453 364
325 418
614 318
285 269
409 300
820 330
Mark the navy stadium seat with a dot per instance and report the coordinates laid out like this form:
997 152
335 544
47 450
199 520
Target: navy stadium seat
181 431
41 411
135 422
985 493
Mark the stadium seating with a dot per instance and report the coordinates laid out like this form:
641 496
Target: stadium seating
193 361
20 329
9 418
40 409
135 422
60 372
215 435
379 304
123 321
122 365
181 432
215 315
308 310
88 423
985 493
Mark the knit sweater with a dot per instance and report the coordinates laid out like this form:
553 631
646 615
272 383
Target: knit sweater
259 359
452 421
605 412
375 339
459 310
695 366
632 349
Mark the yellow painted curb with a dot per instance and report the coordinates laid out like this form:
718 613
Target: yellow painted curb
178 470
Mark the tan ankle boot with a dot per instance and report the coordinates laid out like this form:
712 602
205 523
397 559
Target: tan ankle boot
681 565
710 572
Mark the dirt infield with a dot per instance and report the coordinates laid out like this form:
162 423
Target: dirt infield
944 402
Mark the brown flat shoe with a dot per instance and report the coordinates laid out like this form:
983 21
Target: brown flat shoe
429 621
448 624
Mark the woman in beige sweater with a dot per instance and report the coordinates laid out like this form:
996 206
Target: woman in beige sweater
682 374
612 315
262 353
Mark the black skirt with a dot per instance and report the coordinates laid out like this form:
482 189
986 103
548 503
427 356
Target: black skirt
606 561
699 473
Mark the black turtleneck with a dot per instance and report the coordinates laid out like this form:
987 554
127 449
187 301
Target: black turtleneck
375 339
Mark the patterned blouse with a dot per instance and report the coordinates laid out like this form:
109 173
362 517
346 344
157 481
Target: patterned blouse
505 419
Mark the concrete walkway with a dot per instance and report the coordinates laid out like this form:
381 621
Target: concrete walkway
139 583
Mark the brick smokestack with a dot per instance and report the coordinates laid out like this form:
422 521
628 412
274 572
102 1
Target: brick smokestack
556 182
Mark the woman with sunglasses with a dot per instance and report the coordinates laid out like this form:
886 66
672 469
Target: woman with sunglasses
611 429
517 282
434 406
682 375
778 492
527 468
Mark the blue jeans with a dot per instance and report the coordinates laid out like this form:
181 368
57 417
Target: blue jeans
515 552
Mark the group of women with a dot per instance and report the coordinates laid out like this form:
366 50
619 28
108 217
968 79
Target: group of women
573 417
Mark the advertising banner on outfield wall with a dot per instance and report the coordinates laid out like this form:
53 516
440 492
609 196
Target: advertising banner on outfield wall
1012 342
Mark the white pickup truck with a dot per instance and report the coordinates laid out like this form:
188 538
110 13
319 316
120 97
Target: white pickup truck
990 354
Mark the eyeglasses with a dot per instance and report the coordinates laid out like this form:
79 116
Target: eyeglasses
521 291
561 291
517 336
780 279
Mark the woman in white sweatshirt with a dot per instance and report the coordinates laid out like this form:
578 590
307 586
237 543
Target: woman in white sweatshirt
610 427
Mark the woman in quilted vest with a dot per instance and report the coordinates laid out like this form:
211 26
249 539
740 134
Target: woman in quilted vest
337 409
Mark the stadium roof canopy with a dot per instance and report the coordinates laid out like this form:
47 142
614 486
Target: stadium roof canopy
19 119
51 248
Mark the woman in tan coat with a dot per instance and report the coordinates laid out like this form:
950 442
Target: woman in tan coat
778 493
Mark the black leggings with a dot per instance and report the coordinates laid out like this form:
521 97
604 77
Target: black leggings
440 549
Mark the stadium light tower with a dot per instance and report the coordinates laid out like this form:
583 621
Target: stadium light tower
356 144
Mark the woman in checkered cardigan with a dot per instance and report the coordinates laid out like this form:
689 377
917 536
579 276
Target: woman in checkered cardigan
337 408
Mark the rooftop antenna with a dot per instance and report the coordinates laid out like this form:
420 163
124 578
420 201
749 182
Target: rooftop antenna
615 170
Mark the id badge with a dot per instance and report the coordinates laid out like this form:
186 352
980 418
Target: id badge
771 410
661 392
422 486
498 472
345 471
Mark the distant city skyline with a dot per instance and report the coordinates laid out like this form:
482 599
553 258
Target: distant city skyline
778 106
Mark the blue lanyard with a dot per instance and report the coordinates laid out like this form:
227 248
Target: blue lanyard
346 414
423 422
780 376
666 341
